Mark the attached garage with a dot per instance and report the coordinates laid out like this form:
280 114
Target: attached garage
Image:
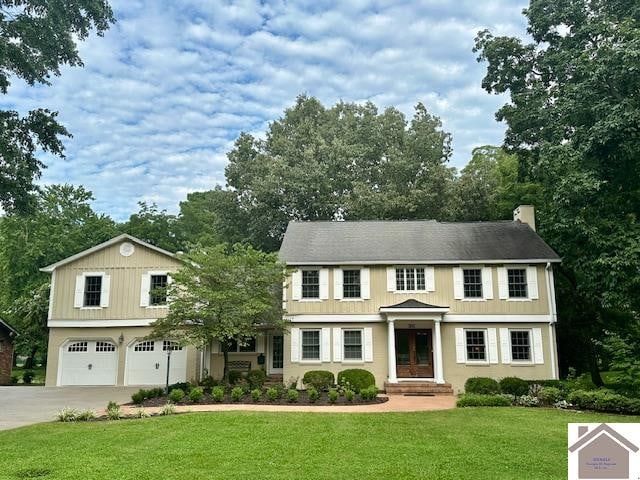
147 362
88 362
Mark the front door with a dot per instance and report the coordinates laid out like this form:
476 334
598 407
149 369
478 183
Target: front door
414 353
276 354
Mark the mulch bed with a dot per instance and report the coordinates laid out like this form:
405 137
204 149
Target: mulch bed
302 400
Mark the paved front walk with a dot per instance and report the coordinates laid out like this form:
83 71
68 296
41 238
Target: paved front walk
396 403
26 405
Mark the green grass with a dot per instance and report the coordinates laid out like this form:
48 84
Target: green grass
38 371
475 443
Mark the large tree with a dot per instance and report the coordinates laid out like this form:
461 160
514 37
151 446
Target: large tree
154 226
345 162
573 121
223 293
36 39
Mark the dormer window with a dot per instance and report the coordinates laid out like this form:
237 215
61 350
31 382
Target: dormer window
311 284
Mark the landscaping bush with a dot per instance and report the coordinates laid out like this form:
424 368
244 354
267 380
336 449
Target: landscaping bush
527 401
369 393
237 393
67 414
86 415
208 383
293 395
273 394
333 395
184 386
313 394
234 376
155 392
356 379
604 401
549 383
217 393
483 400
168 409
256 393
141 413
481 385
13 380
256 378
139 397
27 376
196 394
114 412
318 379
550 395
176 395
349 394
514 386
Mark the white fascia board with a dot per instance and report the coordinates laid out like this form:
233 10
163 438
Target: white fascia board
427 262
333 318
413 310
452 318
134 322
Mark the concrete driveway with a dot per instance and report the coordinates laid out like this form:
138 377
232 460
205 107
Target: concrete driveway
26 405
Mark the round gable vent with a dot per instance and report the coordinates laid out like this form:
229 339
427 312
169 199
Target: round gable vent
126 249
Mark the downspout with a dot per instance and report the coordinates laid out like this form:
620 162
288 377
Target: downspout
553 318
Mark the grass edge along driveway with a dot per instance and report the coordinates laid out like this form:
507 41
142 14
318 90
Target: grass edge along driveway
478 443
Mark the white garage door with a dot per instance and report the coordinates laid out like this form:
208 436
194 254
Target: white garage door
147 363
89 362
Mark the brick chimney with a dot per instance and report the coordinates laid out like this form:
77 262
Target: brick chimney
526 214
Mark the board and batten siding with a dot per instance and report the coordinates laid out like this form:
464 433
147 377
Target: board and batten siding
125 282
442 296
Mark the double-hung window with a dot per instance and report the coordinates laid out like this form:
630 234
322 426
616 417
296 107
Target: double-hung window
410 279
517 280
476 343
351 284
520 345
92 290
310 283
352 344
310 344
158 293
472 278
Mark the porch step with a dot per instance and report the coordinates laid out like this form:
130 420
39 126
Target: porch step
427 388
273 379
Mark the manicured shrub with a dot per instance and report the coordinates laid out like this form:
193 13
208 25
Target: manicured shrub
184 386
234 376
481 385
483 400
208 383
141 413
256 378
27 376
237 393
293 395
369 393
514 386
86 415
549 395
604 401
67 414
256 393
313 394
196 394
333 395
168 409
139 397
218 394
349 394
114 412
155 392
527 401
273 394
356 379
176 395
318 379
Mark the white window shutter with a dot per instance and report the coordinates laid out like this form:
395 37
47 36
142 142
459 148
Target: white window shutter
503 283
430 279
505 345
145 287
460 346
296 285
458 283
337 283
295 344
78 299
532 281
326 344
487 283
493 345
105 291
538 355
337 344
368 344
324 283
365 284
391 279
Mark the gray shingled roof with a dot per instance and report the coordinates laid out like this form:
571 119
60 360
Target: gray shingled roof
411 241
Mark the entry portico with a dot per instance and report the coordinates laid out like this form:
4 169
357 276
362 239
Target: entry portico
414 341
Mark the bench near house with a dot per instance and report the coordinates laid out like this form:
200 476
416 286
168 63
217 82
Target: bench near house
423 305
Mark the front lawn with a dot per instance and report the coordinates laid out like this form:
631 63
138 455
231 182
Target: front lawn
477 443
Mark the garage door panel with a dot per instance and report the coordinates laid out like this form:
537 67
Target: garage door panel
147 363
88 362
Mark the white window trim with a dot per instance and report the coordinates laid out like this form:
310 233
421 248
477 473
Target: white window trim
310 299
84 286
531 360
526 273
155 273
485 332
473 299
405 267
351 299
311 361
353 360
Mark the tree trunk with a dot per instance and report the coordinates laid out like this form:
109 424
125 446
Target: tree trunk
596 378
225 371
30 362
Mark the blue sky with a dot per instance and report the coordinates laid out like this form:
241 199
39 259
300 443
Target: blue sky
170 86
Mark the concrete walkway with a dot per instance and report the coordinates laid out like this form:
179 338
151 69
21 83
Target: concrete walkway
27 405
396 403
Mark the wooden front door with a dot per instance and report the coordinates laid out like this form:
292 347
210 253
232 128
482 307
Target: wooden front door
414 353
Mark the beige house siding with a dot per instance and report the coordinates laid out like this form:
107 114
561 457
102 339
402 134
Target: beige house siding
60 336
443 296
126 278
